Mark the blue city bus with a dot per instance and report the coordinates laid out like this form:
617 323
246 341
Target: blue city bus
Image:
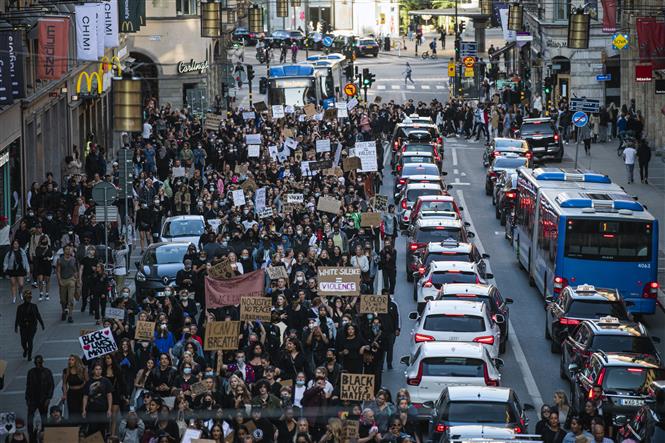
294 85
331 80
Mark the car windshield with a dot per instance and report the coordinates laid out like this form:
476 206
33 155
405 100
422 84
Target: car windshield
447 206
446 256
507 145
623 344
419 169
183 228
536 129
417 159
166 254
430 235
367 42
413 194
454 323
453 367
596 309
440 278
509 162
480 412
629 378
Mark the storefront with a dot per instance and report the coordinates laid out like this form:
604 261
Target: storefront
10 161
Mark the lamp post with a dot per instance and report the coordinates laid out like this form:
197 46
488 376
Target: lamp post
578 29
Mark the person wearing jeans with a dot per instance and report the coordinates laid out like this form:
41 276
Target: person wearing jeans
66 270
629 155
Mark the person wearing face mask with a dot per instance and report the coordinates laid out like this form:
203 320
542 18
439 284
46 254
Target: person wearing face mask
246 261
240 366
388 266
185 278
43 266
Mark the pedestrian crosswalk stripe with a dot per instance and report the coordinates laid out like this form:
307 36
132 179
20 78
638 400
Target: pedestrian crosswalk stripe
395 86
425 86
440 87
380 86
410 87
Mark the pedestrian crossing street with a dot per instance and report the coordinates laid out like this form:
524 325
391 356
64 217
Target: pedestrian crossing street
410 87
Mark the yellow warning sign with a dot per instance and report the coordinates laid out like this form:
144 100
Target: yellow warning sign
451 69
620 41
468 72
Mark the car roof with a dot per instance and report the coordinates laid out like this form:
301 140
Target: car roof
460 307
465 288
616 327
437 198
589 292
625 359
433 222
184 217
478 393
537 120
449 245
410 186
169 243
462 266
447 348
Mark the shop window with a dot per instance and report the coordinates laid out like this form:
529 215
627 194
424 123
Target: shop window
187 7
561 9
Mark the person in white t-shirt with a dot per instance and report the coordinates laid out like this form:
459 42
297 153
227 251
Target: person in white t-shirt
629 155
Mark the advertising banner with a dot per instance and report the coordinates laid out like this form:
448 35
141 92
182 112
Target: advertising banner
86 32
53 48
111 23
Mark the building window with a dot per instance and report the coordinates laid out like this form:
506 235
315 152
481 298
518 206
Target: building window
561 9
187 7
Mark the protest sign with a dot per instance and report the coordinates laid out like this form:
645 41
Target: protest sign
8 424
328 204
178 171
310 110
53 434
98 343
260 200
85 331
190 435
330 114
221 335
145 330
253 151
288 208
169 401
338 154
304 168
322 164
278 111
253 139
295 198
212 122
356 387
220 293
275 272
287 132
336 171
290 143
273 151
352 104
319 116
323 145
255 308
350 430
266 212
239 197
248 115
241 168
260 106
380 203
289 109
248 185
115 313
370 304
198 388
221 270
94 438
339 280
351 164
204 440
342 111
370 219
367 153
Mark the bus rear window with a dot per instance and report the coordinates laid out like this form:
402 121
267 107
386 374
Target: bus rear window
608 240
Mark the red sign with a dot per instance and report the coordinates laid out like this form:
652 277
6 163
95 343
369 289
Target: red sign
610 16
644 73
53 49
228 292
651 41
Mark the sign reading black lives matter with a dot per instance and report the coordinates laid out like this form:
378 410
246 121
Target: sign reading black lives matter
357 387
98 343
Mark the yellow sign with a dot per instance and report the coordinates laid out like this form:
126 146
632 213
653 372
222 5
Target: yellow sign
88 81
350 89
127 26
114 63
468 72
620 41
469 62
451 69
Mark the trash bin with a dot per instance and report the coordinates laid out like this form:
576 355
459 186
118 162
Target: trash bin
386 43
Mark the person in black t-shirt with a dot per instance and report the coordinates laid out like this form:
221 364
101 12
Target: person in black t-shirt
97 401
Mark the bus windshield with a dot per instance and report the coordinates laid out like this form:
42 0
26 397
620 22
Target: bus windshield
616 240
327 83
292 91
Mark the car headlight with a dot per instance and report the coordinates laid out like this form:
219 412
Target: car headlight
140 276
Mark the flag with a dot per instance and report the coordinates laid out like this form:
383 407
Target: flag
651 41
228 292
6 97
610 16
111 24
508 35
86 32
15 50
129 15
53 48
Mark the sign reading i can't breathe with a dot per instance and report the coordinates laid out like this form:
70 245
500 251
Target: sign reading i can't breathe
98 343
357 387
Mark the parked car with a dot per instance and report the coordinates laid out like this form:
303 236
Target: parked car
366 46
241 34
282 36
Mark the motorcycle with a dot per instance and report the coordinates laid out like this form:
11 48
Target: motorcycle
260 55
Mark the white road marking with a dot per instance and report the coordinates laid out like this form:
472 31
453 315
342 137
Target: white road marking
410 87
454 157
455 171
463 174
380 86
440 87
394 86
529 380
425 86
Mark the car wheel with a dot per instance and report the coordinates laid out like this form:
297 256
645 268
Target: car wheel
555 347
502 218
488 190
415 293
409 277
497 214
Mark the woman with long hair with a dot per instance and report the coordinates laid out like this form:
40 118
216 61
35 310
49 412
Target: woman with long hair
141 377
74 378
43 266
333 431
113 373
16 266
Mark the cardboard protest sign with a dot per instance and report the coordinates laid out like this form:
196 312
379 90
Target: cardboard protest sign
336 171
204 440
221 270
356 387
350 430
248 115
288 208
367 153
322 164
297 155
276 272
145 330
115 313
329 205
310 110
255 308
287 132
295 198
278 111
381 203
260 106
190 435
370 304
323 145
60 435
221 336
369 219
98 343
351 164
228 292
288 382
178 171
253 139
94 438
212 122
249 185
330 114
198 388
253 151
8 424
338 280
239 197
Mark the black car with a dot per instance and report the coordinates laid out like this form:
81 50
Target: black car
158 267
609 335
543 138
314 40
241 34
576 304
505 192
282 36
619 381
366 46
508 162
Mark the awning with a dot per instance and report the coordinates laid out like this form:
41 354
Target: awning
501 51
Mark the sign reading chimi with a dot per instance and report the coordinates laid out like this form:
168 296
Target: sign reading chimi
192 66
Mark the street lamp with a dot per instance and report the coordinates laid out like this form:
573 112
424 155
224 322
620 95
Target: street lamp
127 106
486 7
211 19
255 18
578 29
515 17
282 8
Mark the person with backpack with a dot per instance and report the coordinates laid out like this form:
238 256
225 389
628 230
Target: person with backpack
16 267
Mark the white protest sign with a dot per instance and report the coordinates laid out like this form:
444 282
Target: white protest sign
7 422
318 117
239 197
301 118
98 343
338 154
283 155
304 168
253 139
291 144
367 153
278 111
189 435
272 150
352 104
342 111
115 313
260 200
253 151
295 198
323 145
247 115
179 171
289 109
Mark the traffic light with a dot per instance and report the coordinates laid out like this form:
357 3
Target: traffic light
369 79
547 85
250 73
365 77
457 49
462 26
348 72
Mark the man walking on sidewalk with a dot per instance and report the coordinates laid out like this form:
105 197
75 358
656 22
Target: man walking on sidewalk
407 74
27 317
629 154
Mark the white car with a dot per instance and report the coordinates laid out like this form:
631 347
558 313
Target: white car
439 273
486 434
435 365
409 196
457 321
183 228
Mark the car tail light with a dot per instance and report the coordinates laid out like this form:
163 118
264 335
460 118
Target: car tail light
559 284
495 153
419 338
556 137
486 339
403 204
568 321
650 290
493 174
415 381
402 181
399 168
637 370
488 380
396 145
529 155
517 430
440 427
413 246
511 194
439 140
421 270
427 284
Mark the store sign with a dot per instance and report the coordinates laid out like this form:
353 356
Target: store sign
192 66
551 43
644 73
103 76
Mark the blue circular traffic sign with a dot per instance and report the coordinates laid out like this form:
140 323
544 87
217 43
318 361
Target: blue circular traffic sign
327 41
580 119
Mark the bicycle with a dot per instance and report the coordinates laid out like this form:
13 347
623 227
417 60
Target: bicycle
425 55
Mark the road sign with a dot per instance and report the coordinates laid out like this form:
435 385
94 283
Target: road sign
584 104
620 41
104 193
604 77
350 89
468 72
327 41
580 119
451 69
469 49
469 61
